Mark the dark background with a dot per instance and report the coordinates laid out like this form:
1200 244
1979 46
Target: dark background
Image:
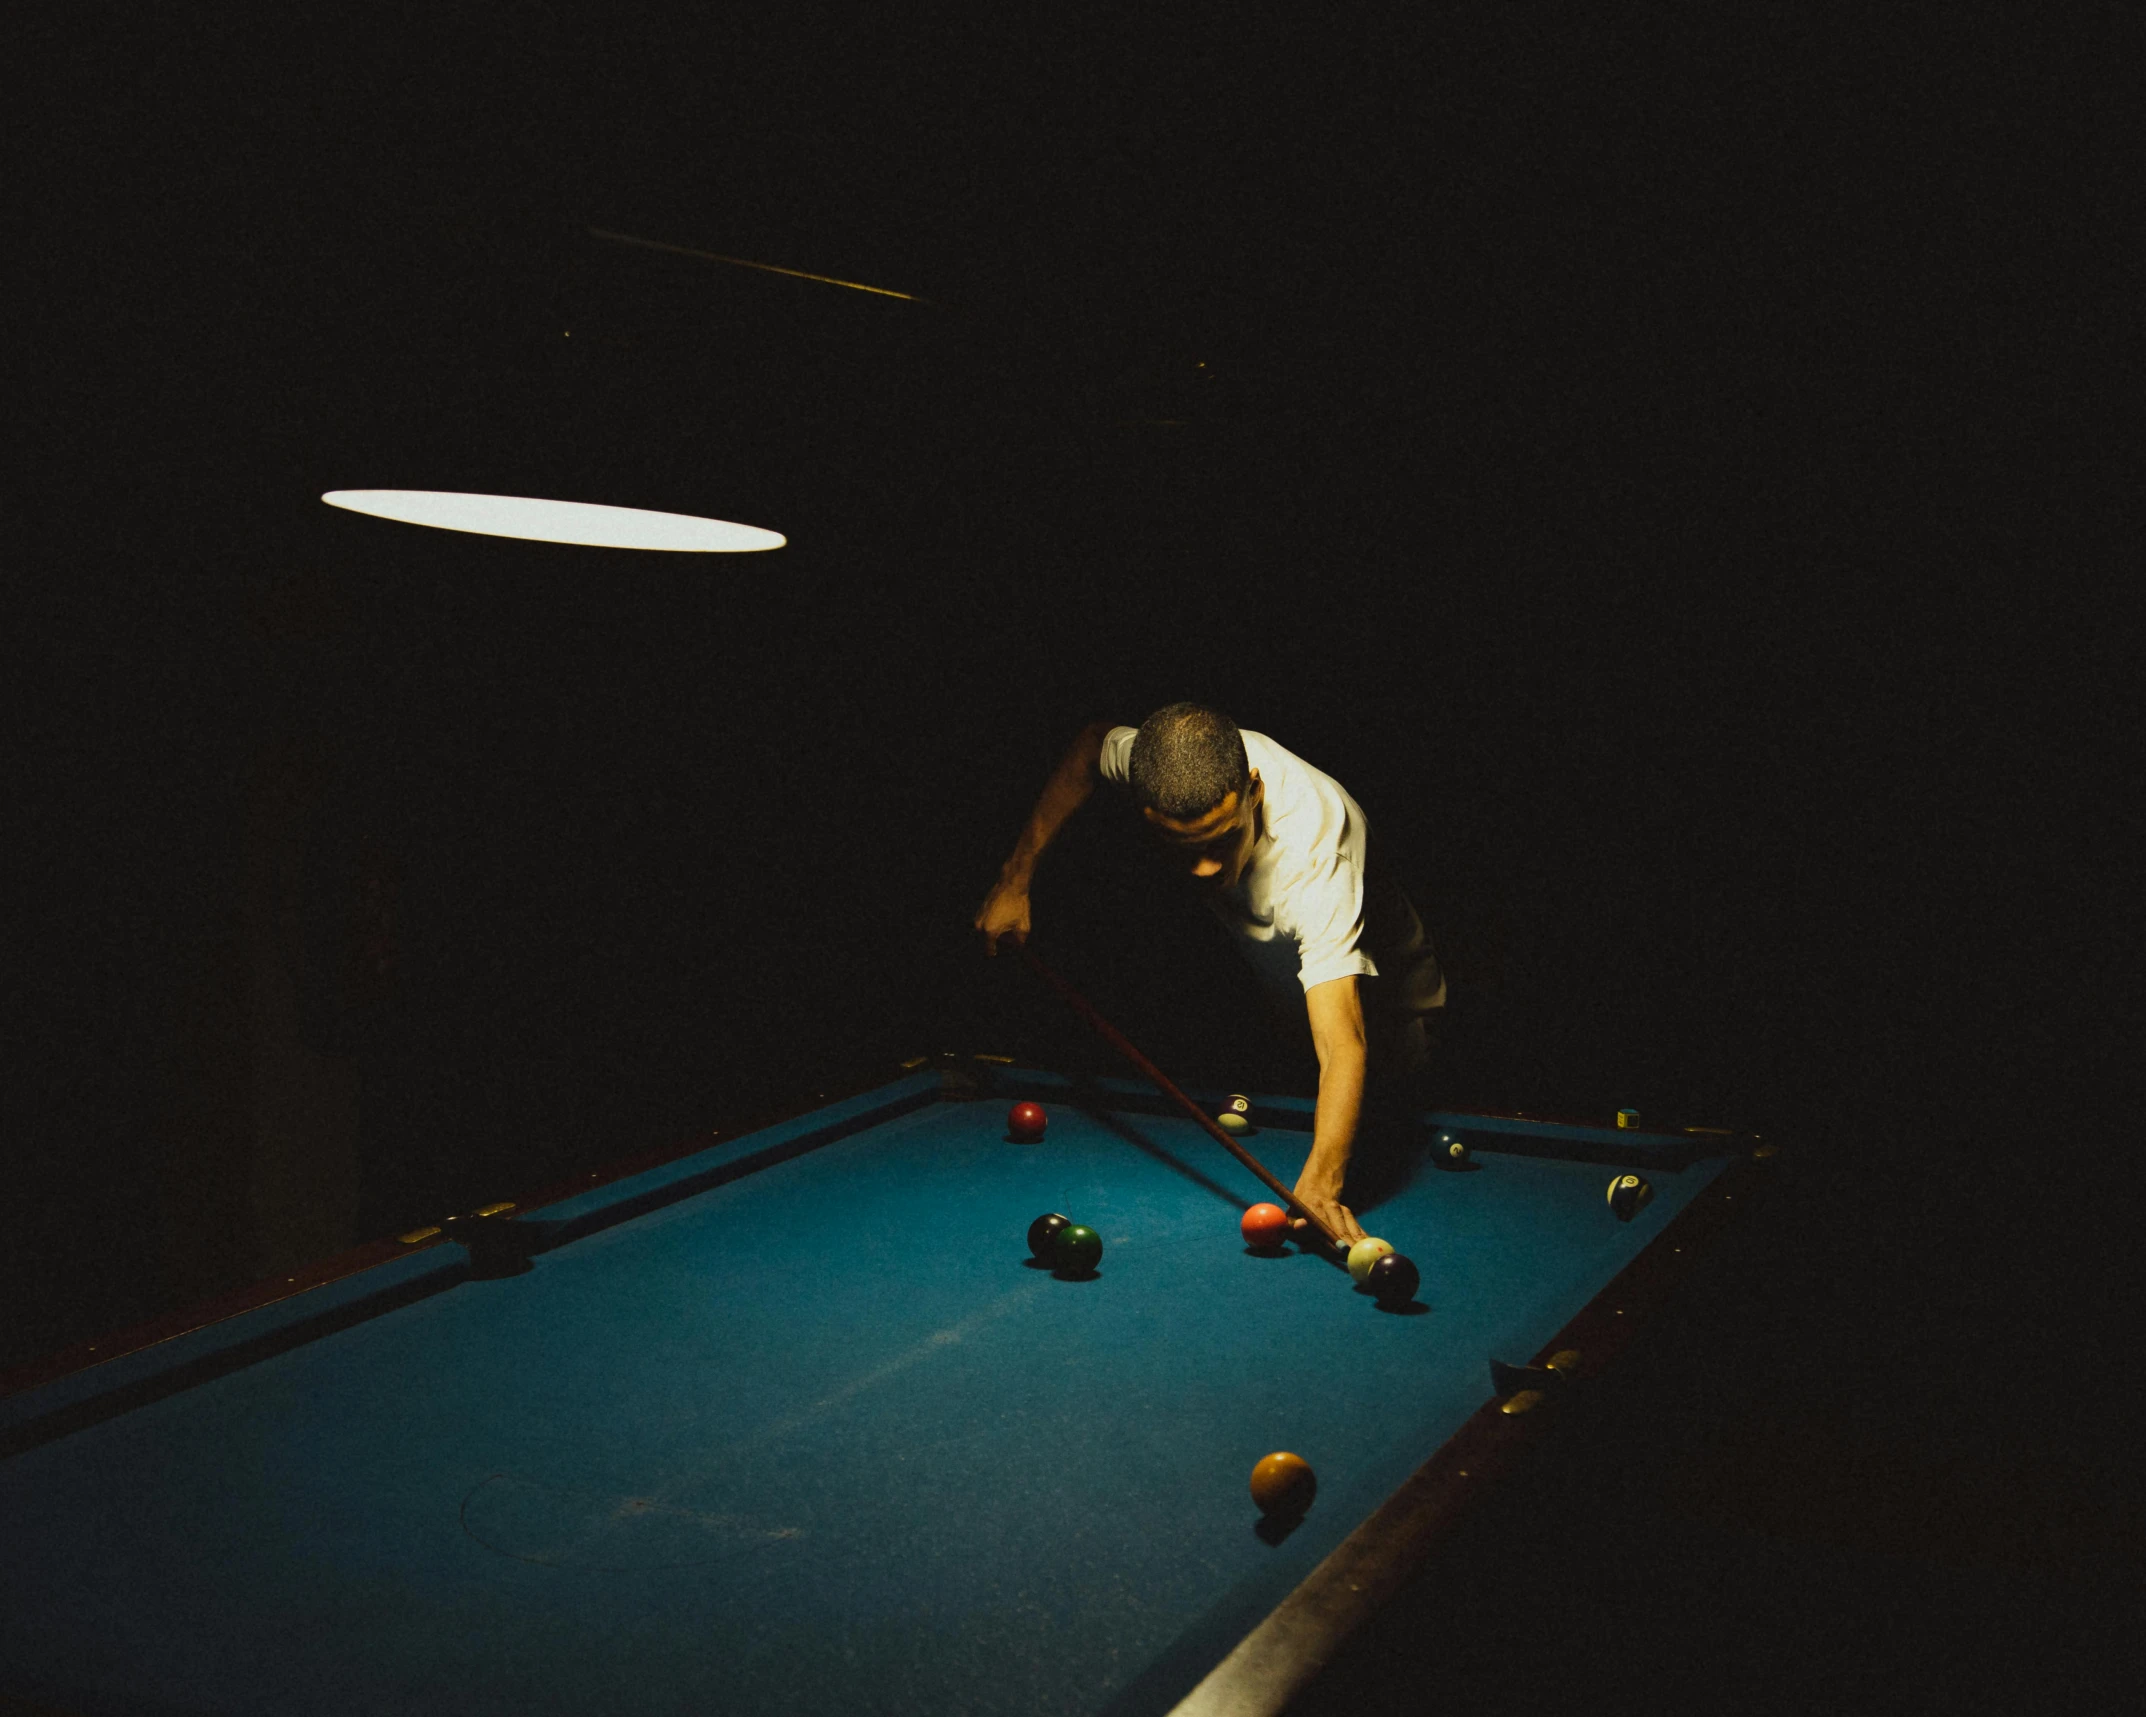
1674 469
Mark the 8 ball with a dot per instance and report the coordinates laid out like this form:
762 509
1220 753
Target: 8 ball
1043 1236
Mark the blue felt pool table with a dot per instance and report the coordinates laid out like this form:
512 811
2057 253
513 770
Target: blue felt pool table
790 1420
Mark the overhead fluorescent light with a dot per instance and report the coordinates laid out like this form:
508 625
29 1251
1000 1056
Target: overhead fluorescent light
540 521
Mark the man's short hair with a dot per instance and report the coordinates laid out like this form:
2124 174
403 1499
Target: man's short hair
1186 760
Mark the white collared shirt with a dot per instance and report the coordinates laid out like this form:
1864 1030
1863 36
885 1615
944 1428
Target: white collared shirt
1314 903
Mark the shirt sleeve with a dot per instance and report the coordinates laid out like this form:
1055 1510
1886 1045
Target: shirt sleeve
1329 911
1116 763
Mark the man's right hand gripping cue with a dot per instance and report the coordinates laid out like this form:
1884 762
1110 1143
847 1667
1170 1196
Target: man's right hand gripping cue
1004 913
1005 909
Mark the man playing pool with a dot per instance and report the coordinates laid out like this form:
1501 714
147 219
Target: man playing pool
1283 857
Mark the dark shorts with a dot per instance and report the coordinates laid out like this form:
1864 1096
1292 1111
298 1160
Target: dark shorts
1401 1056
1391 1139
1405 1075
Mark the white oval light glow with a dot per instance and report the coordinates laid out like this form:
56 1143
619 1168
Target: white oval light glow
557 521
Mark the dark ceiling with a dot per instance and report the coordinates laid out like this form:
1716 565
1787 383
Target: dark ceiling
1716 399
1419 215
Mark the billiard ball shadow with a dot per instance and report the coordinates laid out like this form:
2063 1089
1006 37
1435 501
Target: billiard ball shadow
1063 1275
1384 1175
1411 1307
1038 1265
1276 1528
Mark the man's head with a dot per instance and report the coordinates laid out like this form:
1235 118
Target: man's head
1199 796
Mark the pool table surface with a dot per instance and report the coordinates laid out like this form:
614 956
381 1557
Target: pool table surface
790 1421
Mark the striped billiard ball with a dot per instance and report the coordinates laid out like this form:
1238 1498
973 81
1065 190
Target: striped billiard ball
1628 1196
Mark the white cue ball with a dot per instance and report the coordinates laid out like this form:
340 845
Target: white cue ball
1363 1255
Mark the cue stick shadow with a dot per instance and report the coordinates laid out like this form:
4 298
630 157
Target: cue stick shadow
1115 1123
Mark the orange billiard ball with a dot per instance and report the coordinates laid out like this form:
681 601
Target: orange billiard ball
1283 1485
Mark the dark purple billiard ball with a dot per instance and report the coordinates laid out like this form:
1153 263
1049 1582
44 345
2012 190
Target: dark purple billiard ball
1393 1280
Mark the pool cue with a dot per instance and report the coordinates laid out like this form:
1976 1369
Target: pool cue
1117 1041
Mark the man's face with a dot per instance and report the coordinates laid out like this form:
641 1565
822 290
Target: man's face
1211 851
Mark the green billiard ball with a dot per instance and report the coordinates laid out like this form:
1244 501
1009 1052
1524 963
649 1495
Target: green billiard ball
1080 1249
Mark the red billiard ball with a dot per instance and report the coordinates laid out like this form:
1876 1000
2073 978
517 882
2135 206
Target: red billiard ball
1265 1226
1025 1122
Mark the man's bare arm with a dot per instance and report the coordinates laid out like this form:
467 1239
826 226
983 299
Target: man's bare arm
1005 909
1337 1033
